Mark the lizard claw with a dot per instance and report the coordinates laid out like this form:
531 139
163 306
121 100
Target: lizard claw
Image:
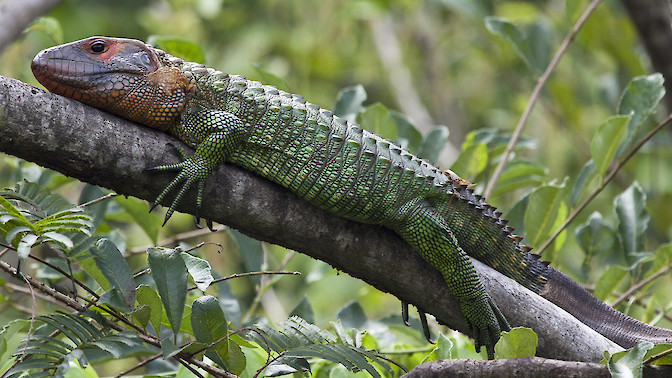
404 313
425 326
423 320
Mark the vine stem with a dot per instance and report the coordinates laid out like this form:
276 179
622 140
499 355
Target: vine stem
604 183
541 82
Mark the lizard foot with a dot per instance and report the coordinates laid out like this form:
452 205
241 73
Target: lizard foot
486 321
192 170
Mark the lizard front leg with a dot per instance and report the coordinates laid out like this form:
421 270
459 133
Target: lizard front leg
219 133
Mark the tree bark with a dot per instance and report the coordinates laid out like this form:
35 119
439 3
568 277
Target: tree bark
102 149
653 23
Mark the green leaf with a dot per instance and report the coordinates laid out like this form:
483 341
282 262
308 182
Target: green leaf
200 271
519 342
544 212
229 302
180 48
519 174
606 142
352 315
434 143
582 180
146 296
572 8
50 26
267 77
662 259
209 325
16 231
377 119
608 282
349 101
170 275
61 239
639 100
408 135
303 310
114 267
633 219
12 335
631 364
594 236
533 47
442 351
141 316
657 350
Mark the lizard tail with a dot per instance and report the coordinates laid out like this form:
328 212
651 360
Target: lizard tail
614 325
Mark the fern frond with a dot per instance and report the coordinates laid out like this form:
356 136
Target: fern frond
30 214
44 355
298 340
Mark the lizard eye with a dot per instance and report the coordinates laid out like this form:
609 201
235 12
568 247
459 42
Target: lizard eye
98 46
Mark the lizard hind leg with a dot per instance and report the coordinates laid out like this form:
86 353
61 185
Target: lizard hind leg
427 232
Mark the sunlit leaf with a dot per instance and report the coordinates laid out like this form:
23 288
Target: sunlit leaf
519 342
606 142
544 210
434 143
632 363
200 271
349 102
377 119
639 100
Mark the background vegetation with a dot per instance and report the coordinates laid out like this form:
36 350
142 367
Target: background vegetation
470 66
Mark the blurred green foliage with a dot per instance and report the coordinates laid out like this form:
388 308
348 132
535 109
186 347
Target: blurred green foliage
473 65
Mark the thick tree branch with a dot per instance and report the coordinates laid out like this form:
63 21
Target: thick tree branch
102 149
520 368
653 22
16 15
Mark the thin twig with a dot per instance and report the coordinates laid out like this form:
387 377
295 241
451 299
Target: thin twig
99 199
657 356
249 274
641 284
541 82
604 183
178 237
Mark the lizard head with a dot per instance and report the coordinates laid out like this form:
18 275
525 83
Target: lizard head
123 76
